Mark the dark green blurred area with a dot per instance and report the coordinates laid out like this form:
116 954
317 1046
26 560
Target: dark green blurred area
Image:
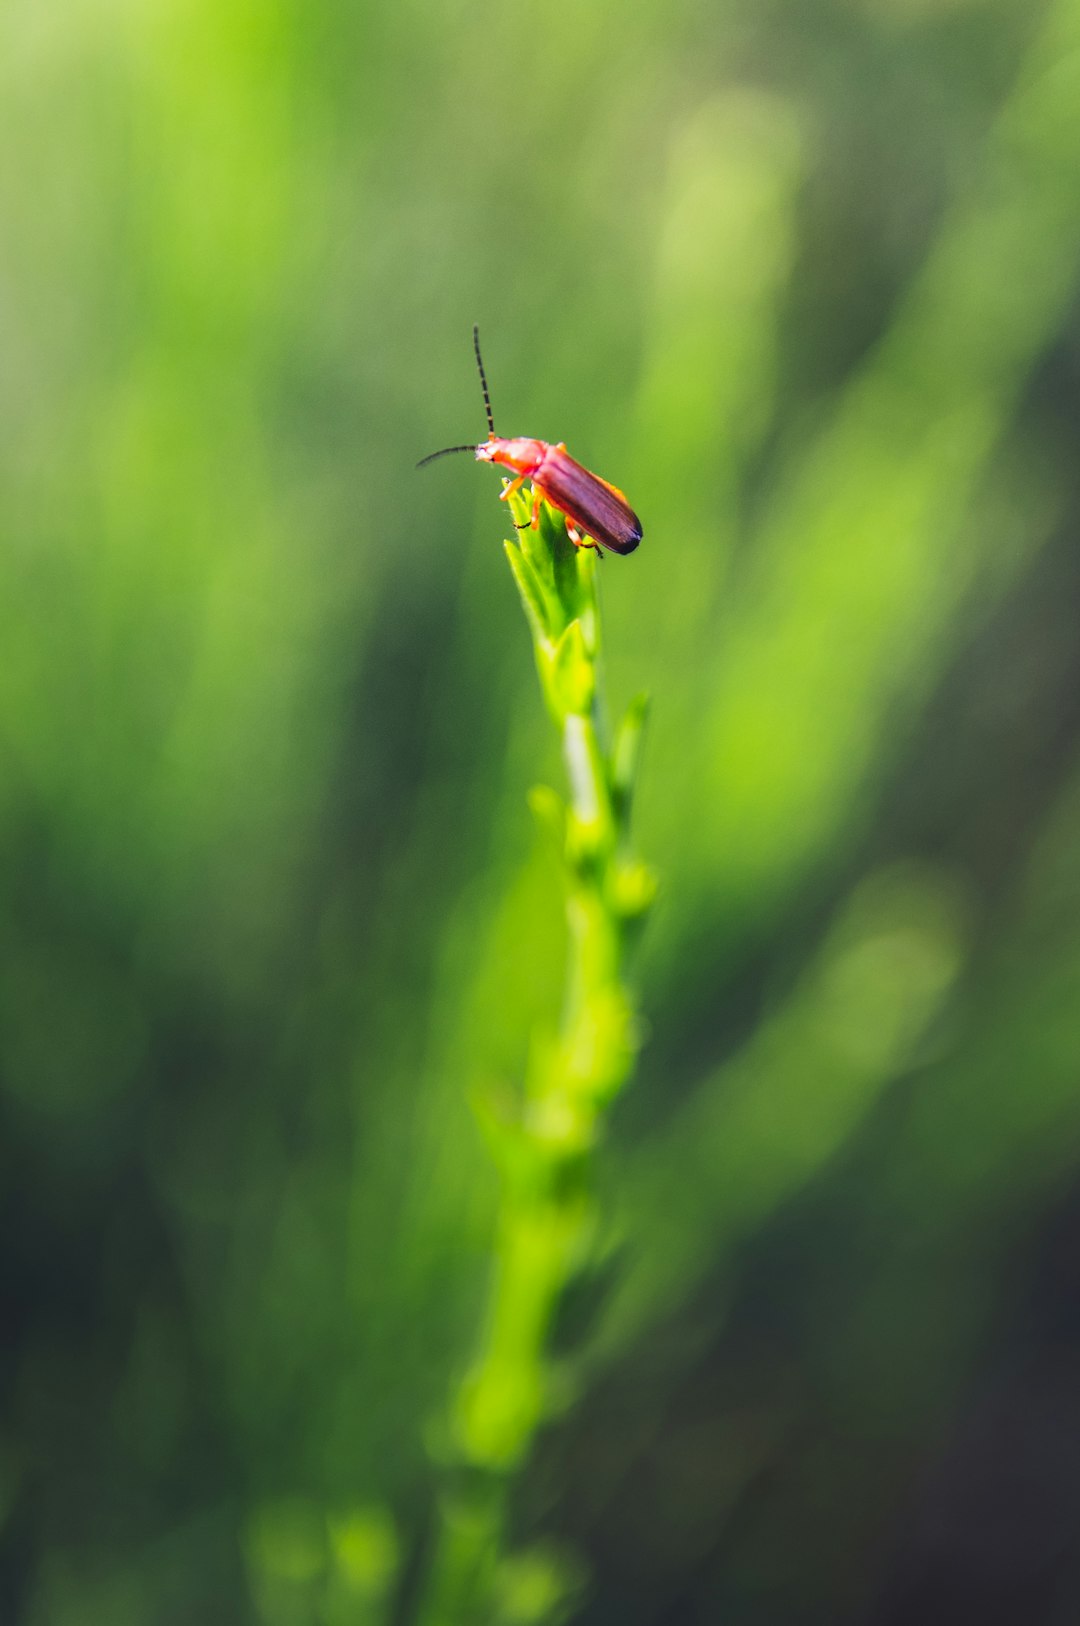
801 279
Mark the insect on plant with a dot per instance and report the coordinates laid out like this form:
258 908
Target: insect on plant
595 512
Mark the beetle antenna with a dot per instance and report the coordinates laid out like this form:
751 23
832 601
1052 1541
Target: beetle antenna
483 379
444 453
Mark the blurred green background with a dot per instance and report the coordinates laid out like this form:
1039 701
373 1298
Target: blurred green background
803 280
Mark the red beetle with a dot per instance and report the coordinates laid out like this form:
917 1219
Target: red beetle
595 511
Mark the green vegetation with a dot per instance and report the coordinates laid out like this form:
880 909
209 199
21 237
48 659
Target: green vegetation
318 1302
544 1142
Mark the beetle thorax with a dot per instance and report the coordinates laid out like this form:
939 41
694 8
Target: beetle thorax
522 455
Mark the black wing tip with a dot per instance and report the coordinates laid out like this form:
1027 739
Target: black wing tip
630 539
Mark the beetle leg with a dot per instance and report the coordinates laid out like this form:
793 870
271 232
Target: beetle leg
581 541
534 522
511 488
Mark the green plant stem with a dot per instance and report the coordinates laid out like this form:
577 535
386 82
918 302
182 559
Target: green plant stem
544 1148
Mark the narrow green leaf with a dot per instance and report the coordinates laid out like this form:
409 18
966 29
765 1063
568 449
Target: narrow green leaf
537 549
549 811
566 564
533 597
632 890
573 673
626 757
